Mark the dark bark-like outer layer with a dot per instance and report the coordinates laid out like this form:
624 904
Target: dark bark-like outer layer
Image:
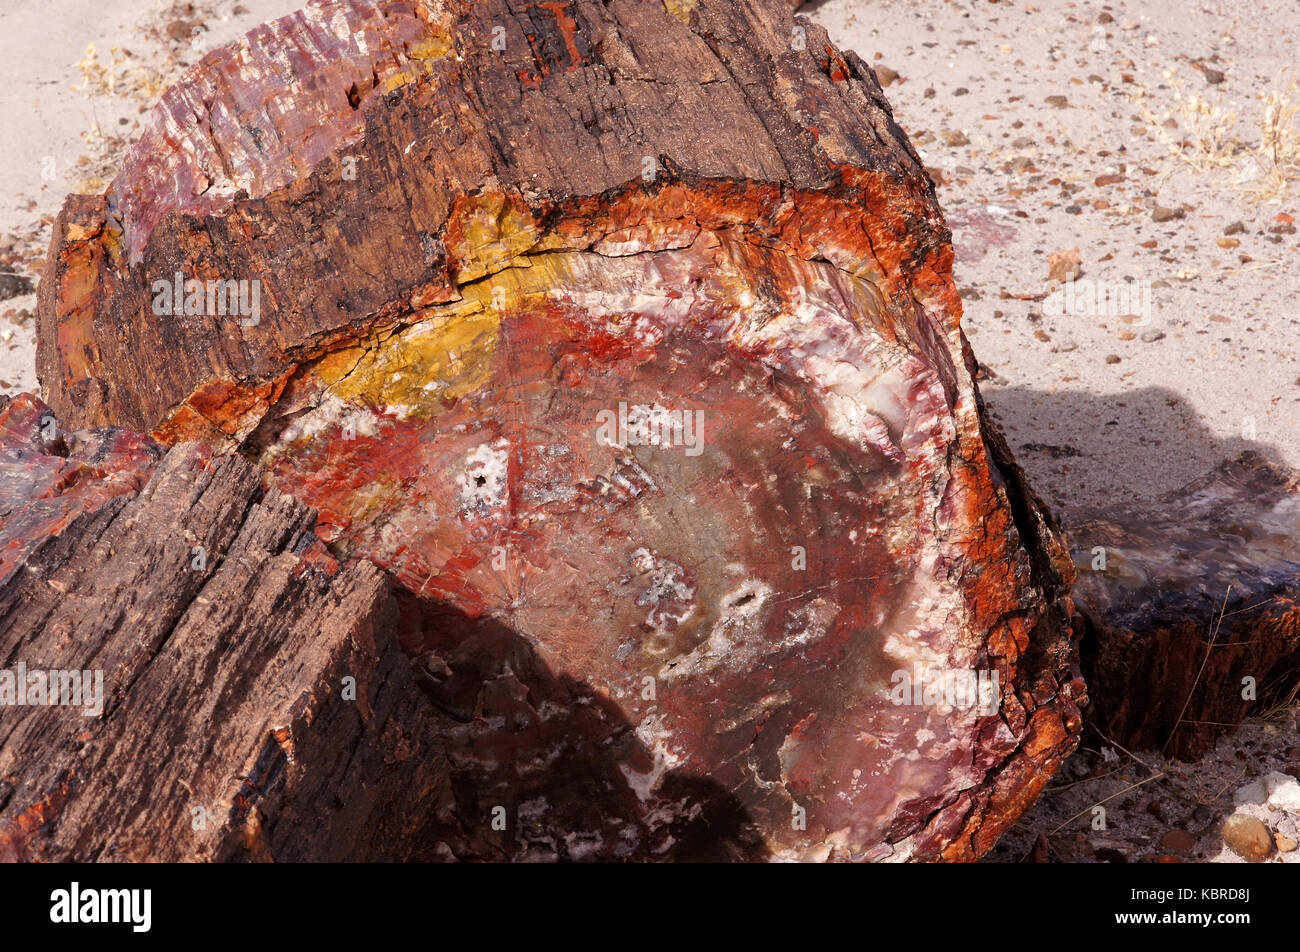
468 160
227 728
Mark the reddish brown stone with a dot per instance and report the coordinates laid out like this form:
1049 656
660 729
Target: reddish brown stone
1191 610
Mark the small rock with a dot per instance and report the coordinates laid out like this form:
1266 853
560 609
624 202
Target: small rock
1248 837
1057 102
929 93
1285 844
1150 337
954 137
1064 266
961 91
1105 17
1228 242
14 285
1236 228
1284 794
1042 851
1276 789
1112 358
180 30
886 75
1161 214
1066 346
1178 841
1212 76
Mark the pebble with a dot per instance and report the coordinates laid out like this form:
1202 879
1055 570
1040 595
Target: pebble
1236 228
1276 789
1160 213
1112 358
1212 76
14 285
1178 841
1285 844
954 137
1150 337
1248 837
1057 102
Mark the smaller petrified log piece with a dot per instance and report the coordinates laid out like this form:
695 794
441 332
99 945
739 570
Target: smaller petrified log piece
218 633
1189 602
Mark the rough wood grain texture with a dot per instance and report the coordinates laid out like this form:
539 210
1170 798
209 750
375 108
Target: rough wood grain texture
222 684
1192 599
478 229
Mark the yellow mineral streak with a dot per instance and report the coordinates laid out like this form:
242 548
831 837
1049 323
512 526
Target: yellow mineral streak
423 56
681 9
494 232
449 352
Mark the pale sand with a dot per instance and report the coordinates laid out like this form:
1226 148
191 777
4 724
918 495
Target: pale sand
1170 409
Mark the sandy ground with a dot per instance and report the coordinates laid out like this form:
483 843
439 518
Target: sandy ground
1097 409
69 113
1117 142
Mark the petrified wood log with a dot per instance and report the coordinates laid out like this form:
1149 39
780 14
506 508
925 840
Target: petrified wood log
176 647
622 332
1192 610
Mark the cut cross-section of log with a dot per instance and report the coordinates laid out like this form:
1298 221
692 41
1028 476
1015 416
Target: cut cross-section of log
628 329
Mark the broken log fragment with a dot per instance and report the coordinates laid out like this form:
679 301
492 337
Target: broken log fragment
177 648
624 333
1191 612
